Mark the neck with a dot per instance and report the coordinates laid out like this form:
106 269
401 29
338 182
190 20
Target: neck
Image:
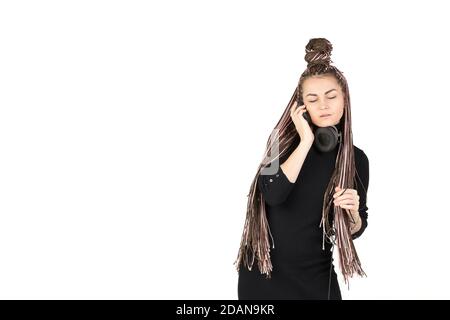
340 125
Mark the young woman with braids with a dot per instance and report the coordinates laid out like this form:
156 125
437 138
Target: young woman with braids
313 201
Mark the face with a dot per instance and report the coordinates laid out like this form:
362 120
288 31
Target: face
323 95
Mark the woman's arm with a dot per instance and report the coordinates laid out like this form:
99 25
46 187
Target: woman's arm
354 200
355 223
276 187
361 215
292 166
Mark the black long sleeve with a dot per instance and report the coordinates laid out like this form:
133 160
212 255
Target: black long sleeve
275 188
362 168
301 259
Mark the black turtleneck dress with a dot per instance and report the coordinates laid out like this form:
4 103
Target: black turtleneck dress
301 268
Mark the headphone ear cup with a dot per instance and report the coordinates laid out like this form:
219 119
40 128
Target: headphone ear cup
326 138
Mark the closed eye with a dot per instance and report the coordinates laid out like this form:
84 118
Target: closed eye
328 98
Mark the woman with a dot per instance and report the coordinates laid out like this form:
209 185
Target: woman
314 200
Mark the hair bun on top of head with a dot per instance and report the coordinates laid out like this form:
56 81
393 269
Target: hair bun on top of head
318 53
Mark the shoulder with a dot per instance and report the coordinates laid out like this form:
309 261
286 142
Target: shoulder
362 167
360 156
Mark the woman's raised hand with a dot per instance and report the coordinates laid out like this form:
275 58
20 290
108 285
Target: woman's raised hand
302 126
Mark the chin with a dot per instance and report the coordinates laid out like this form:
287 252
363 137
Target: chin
327 122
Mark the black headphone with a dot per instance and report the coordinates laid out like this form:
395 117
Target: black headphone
325 138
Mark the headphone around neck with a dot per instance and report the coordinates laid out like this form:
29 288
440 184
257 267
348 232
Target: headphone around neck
325 138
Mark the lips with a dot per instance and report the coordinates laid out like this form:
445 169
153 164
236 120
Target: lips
325 115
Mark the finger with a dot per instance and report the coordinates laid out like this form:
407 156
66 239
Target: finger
345 206
296 107
345 197
339 193
347 193
300 111
301 108
348 189
346 201
340 200
293 107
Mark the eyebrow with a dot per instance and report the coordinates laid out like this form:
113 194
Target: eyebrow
313 94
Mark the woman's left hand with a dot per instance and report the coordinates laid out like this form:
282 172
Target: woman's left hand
347 200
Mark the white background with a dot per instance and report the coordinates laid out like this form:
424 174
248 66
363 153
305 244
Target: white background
130 132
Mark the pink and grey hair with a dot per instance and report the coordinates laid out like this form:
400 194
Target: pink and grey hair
255 237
